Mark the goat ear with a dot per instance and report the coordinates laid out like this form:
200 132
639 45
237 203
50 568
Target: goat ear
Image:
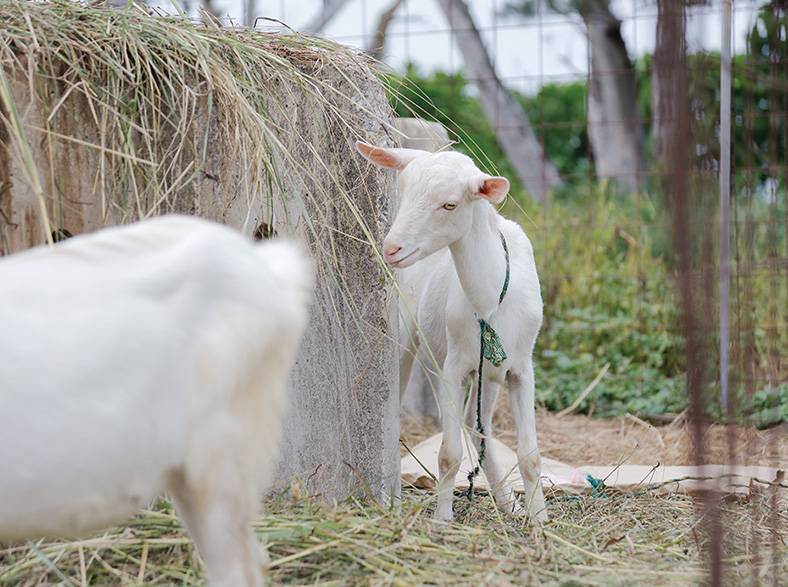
390 158
493 189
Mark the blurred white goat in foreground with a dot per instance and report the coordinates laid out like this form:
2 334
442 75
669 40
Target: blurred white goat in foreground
446 223
143 358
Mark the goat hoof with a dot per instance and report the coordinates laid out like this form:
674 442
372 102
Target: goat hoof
518 510
541 516
441 526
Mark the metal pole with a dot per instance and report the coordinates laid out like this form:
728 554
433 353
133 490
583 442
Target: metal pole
725 198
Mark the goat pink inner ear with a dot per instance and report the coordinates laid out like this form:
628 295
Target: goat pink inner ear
494 189
379 156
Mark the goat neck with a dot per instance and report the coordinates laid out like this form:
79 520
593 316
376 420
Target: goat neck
480 261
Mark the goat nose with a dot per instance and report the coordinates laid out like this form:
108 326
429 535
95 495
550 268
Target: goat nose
390 250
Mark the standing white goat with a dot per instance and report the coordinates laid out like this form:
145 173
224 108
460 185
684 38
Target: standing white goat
445 201
142 358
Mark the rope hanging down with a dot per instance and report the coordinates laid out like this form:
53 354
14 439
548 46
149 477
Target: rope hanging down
490 348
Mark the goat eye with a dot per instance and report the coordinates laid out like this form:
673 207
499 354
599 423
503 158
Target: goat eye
450 205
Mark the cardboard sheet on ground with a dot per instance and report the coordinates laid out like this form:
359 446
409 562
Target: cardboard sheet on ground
562 477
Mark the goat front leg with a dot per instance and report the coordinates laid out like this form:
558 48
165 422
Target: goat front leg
218 517
451 396
521 395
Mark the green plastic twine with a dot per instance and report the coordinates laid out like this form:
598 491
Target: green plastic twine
490 348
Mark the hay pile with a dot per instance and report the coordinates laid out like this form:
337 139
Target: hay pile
146 104
594 539
610 539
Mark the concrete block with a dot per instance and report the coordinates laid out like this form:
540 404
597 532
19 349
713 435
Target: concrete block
342 431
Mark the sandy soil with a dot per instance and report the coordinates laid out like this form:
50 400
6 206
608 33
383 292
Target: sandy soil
579 440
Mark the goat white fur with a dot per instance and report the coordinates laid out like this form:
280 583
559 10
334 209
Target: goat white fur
148 357
446 241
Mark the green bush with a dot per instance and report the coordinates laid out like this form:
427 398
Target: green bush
607 300
770 405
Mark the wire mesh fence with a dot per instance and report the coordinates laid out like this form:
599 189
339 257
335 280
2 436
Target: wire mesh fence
620 105
621 195
608 116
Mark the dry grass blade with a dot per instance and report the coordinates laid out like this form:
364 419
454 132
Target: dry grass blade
589 388
29 164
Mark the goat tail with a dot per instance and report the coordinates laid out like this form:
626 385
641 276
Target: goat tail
290 266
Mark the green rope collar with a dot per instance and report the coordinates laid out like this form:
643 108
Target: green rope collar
491 349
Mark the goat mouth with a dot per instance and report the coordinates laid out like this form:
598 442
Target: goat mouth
407 260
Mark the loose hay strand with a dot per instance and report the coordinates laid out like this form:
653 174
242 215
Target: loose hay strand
15 124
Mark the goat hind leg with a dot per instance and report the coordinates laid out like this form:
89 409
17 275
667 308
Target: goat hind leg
409 347
501 487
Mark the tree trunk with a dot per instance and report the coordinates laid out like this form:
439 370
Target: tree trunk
330 9
250 12
614 127
517 139
667 61
376 47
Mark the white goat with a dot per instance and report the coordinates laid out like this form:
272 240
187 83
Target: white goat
148 357
445 201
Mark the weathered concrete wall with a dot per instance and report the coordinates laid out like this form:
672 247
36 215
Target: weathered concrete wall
342 430
350 354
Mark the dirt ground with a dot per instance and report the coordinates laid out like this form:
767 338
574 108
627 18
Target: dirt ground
579 440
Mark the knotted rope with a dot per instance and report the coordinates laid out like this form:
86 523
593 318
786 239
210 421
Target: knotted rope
490 348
